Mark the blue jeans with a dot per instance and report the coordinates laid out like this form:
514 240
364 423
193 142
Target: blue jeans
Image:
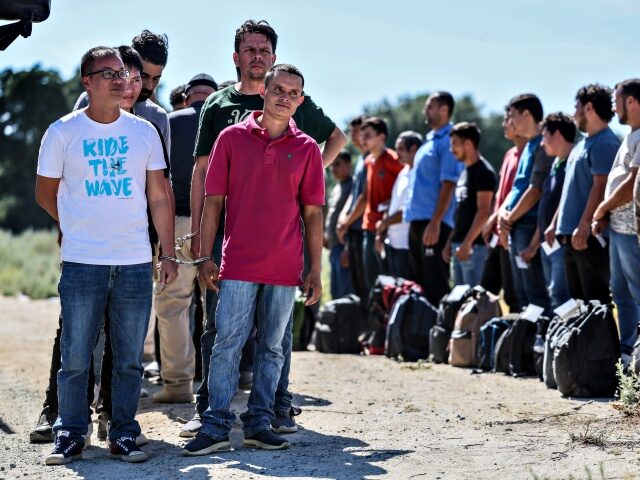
529 282
340 276
470 271
624 255
238 304
555 274
85 292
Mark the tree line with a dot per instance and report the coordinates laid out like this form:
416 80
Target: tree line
30 100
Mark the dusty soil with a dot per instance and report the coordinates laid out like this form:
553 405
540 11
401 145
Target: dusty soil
364 417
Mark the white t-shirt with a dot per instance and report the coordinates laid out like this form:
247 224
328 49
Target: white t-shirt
398 234
102 203
622 219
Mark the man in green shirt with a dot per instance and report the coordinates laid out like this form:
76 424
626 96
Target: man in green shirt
255 45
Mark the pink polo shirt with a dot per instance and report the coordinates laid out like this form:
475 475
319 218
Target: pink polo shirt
266 181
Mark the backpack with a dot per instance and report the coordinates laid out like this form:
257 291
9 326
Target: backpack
303 324
477 310
451 304
338 326
523 337
439 344
585 356
385 291
490 333
556 329
409 326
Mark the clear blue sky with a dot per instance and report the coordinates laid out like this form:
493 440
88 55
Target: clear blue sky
355 53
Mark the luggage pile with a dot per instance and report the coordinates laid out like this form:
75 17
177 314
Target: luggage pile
575 352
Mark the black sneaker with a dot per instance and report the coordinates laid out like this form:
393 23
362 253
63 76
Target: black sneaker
245 381
66 450
284 424
203 444
266 440
125 449
43 433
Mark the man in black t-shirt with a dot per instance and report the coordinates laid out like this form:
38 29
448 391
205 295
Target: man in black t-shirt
474 197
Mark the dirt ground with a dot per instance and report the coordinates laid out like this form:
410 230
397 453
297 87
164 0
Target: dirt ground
363 417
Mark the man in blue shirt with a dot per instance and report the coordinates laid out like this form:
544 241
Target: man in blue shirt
430 204
520 218
586 260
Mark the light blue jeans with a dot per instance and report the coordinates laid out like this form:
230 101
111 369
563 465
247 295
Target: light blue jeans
624 258
555 275
86 291
470 271
238 303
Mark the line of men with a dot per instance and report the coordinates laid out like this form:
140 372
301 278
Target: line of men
98 172
559 223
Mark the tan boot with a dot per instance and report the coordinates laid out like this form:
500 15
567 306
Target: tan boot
165 396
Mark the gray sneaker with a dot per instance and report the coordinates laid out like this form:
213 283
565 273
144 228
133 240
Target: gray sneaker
192 427
284 424
43 432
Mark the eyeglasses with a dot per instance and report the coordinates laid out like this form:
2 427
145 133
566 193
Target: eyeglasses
110 74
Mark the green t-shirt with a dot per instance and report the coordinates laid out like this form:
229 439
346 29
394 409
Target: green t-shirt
227 107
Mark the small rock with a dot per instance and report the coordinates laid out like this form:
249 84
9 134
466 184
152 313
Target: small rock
12 465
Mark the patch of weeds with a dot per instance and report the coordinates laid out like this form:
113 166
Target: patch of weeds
590 437
628 390
419 365
588 472
410 408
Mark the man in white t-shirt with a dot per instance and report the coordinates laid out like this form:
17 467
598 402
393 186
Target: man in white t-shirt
392 234
624 251
98 168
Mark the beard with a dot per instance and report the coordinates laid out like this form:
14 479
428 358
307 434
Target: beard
623 117
145 94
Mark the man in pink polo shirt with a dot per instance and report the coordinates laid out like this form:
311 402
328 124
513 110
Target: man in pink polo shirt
271 175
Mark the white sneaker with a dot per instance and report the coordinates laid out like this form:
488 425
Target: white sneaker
192 427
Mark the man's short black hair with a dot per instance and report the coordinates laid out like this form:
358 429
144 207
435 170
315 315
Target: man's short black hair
629 88
176 97
467 131
599 96
344 155
251 26
130 57
226 84
152 47
410 139
444 98
377 124
357 121
282 67
88 59
530 103
560 122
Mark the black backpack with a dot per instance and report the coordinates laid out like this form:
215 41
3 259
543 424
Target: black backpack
585 356
373 338
521 353
411 320
502 352
439 344
338 326
448 308
490 333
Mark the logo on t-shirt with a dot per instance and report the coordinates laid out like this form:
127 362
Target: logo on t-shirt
237 116
106 158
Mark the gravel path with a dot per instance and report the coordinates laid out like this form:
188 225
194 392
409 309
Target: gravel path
364 417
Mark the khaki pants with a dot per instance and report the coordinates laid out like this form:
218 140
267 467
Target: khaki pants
172 304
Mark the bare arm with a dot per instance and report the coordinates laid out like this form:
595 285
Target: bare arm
527 202
621 195
384 224
312 217
47 195
197 198
172 198
484 200
332 146
432 230
163 221
208 228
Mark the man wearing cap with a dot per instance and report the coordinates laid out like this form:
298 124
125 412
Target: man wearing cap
172 301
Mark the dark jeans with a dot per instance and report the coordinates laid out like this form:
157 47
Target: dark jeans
587 270
529 282
427 265
497 275
356 266
374 265
398 261
340 277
